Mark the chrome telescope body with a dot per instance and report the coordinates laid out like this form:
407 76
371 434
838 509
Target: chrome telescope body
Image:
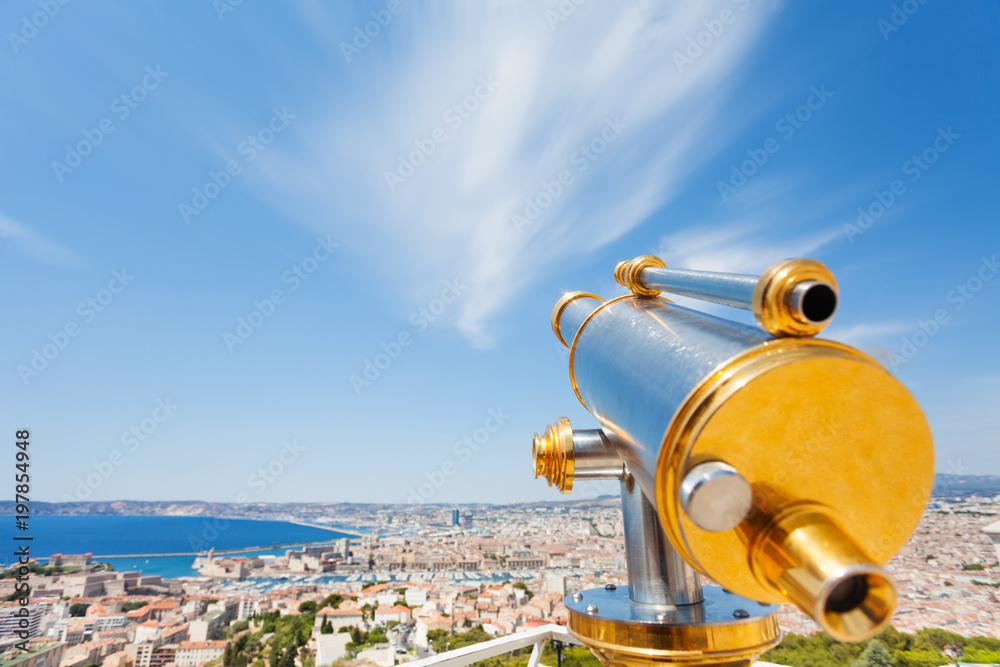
785 468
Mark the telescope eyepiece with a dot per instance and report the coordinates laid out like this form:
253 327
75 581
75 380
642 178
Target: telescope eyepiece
848 594
814 301
858 606
806 555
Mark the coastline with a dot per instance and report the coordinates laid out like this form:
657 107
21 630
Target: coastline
167 546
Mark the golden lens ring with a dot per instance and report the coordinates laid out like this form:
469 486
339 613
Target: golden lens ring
628 274
771 303
561 304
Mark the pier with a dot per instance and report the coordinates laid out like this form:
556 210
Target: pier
343 531
223 552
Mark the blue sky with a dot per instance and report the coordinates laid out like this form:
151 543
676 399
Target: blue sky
420 192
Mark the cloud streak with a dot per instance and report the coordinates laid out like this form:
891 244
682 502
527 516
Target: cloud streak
558 91
34 245
739 246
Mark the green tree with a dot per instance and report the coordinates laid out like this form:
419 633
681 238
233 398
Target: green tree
524 587
376 636
308 607
982 644
130 606
241 643
875 655
78 609
922 659
332 600
434 635
444 642
935 639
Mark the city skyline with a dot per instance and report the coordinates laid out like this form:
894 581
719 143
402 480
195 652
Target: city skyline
273 254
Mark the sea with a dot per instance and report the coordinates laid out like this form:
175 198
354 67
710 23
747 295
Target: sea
135 537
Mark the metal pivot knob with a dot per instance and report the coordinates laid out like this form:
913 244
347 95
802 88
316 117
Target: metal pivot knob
715 496
563 455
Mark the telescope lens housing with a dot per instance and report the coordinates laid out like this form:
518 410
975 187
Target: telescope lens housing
804 554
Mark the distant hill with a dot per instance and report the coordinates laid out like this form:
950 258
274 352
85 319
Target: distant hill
277 511
949 486
945 486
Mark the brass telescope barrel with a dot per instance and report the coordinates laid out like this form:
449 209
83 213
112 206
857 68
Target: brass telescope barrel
786 469
795 297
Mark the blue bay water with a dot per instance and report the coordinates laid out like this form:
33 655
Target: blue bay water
106 535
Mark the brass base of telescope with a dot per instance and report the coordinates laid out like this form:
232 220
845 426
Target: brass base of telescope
804 419
724 630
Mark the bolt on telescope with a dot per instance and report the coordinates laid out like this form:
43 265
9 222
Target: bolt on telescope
786 468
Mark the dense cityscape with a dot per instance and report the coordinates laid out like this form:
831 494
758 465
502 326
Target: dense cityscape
411 578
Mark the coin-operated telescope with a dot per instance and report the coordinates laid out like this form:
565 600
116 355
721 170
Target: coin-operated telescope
785 468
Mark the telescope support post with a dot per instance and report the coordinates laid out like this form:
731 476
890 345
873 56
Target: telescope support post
664 617
657 575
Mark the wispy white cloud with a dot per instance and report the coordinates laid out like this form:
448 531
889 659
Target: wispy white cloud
868 332
879 339
770 220
33 245
739 246
558 90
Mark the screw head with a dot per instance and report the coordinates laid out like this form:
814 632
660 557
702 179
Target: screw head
741 613
610 587
591 609
576 597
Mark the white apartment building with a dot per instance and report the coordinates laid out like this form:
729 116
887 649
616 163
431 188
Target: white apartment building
13 620
190 654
